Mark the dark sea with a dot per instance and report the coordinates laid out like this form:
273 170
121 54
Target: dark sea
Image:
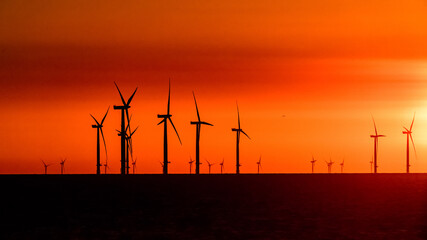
246 206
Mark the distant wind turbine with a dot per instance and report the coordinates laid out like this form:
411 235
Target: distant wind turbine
313 161
342 166
198 124
222 165
329 165
375 137
124 108
98 127
210 165
134 165
238 131
62 163
45 166
409 135
191 163
259 164
105 167
166 118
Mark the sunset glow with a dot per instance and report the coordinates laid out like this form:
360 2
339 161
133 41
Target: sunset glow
308 77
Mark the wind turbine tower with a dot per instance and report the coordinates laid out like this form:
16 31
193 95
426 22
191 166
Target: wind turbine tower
408 133
98 127
375 137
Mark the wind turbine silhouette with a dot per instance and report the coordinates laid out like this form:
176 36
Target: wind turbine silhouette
222 165
124 108
375 137
167 117
98 127
45 166
329 165
238 131
105 167
342 166
129 148
313 161
134 165
191 163
198 124
409 135
62 163
210 165
259 164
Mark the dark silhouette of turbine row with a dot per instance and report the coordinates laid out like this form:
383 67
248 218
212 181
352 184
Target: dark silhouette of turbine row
126 137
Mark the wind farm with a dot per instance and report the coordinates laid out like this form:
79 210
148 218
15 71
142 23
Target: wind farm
326 102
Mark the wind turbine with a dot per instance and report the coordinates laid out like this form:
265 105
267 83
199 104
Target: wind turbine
167 117
191 163
329 165
124 108
222 165
342 166
45 166
259 164
129 149
238 131
134 165
210 165
198 124
313 161
98 127
409 135
375 137
62 163
105 167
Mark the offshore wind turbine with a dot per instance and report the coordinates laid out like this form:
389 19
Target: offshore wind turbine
375 137
313 161
222 165
124 108
45 166
342 166
238 131
105 167
134 165
408 133
259 164
191 163
329 165
166 118
210 165
198 124
98 127
62 163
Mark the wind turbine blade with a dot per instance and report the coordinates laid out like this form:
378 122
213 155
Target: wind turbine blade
197 109
238 116
412 122
105 145
169 96
121 96
105 115
406 129
413 145
170 120
161 121
94 119
375 126
128 118
133 94
245 134
133 131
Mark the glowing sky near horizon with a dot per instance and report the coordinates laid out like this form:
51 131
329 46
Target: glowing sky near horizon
326 65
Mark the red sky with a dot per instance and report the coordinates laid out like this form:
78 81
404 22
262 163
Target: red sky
326 65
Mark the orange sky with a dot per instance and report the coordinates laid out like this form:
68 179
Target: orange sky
326 65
